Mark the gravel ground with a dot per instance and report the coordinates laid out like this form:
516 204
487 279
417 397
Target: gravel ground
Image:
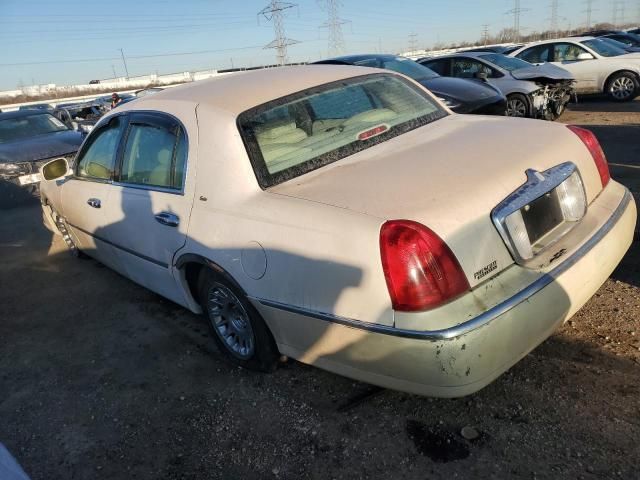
100 378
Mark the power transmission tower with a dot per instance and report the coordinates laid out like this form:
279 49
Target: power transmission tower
413 42
618 12
274 12
554 16
485 34
589 11
516 11
334 24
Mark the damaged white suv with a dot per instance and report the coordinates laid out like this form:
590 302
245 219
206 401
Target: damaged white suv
344 217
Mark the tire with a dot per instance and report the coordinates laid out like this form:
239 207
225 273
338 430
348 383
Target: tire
622 87
238 329
517 106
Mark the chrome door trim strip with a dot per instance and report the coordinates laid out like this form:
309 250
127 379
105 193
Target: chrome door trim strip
482 319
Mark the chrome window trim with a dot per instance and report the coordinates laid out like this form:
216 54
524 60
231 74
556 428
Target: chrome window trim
480 320
155 188
526 193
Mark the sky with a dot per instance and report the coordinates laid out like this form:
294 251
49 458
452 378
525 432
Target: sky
73 41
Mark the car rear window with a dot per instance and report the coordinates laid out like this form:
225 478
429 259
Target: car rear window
304 131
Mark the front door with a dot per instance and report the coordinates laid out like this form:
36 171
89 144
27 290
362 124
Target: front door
150 200
86 195
585 71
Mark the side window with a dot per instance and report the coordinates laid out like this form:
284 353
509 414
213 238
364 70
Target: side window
566 52
468 68
154 154
539 54
340 103
441 67
98 158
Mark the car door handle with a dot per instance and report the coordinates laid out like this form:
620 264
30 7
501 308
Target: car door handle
94 202
168 219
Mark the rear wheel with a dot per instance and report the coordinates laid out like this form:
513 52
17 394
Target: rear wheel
238 330
517 106
622 87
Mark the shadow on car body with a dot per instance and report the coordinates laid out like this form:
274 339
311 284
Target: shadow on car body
100 375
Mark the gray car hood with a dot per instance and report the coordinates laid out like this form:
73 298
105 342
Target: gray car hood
546 70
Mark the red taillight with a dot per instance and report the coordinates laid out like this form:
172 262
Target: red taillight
592 144
420 269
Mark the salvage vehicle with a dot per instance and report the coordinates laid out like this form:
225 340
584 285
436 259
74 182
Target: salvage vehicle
461 96
597 66
79 116
29 138
345 217
532 91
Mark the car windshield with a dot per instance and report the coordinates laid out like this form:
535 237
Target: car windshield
401 65
293 135
603 47
18 128
508 63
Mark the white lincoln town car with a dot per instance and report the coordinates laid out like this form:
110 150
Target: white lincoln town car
346 218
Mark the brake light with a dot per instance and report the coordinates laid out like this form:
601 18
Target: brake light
420 269
592 144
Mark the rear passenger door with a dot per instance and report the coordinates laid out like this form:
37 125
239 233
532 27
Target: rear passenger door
586 72
150 200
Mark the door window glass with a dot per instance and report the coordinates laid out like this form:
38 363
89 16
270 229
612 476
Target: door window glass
441 67
468 68
98 158
539 54
567 52
154 155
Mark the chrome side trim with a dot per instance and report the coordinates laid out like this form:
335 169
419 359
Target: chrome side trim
482 319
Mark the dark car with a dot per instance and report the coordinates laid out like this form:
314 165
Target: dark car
461 96
635 31
628 41
28 139
503 49
36 106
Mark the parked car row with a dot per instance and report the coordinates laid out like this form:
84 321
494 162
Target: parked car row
345 217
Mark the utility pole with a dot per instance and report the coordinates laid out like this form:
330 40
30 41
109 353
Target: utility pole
589 11
113 68
334 24
125 63
274 12
485 34
413 42
554 17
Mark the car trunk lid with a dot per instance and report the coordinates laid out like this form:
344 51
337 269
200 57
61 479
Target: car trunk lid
449 176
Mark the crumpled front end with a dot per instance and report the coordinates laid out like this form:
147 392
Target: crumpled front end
551 99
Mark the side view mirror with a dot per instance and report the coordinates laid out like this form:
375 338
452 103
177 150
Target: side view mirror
481 75
585 56
54 169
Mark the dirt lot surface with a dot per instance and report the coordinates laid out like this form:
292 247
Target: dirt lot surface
100 378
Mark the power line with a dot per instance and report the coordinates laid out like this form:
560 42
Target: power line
275 12
125 63
111 59
334 24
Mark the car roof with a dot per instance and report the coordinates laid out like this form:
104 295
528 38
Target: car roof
239 91
556 40
23 113
358 57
